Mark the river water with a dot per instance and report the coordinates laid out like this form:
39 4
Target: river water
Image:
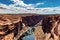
29 37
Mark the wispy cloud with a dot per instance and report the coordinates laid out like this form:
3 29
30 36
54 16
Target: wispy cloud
21 4
27 8
24 5
13 7
53 10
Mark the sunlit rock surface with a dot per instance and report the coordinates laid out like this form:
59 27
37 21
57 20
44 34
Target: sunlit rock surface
12 27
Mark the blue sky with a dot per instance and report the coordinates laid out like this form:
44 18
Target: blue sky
47 3
7 2
44 6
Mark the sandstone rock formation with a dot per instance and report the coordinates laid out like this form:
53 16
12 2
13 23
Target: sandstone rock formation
38 34
51 27
13 26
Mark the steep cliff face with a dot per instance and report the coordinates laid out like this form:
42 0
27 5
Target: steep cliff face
11 25
14 25
32 20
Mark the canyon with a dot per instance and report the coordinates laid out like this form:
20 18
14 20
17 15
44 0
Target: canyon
12 26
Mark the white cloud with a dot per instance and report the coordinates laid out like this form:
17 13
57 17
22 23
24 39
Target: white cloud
53 10
27 8
39 4
3 5
13 8
21 3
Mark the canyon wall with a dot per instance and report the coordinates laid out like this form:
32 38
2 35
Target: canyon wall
12 25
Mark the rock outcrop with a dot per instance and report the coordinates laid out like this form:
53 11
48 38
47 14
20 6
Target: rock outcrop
51 27
13 26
